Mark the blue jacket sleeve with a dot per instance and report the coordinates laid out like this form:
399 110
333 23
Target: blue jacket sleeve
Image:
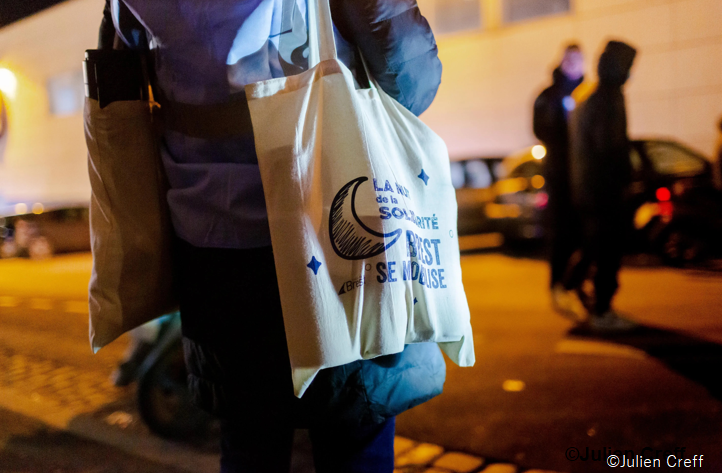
397 43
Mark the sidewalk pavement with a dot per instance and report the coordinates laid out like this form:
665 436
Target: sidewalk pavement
86 404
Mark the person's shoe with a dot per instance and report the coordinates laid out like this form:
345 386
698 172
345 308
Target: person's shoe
610 321
568 304
586 299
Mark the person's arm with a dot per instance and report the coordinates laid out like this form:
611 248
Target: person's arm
545 119
609 143
398 45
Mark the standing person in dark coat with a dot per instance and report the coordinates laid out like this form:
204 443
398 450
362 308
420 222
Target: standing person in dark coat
551 111
203 54
601 174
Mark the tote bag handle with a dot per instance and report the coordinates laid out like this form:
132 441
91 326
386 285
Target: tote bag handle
322 45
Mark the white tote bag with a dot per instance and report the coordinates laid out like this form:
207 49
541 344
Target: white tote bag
362 215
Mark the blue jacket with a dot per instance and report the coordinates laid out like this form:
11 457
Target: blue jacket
206 51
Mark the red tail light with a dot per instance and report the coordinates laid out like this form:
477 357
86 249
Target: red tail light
541 200
663 194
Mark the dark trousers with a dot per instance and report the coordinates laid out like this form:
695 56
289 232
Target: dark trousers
267 449
563 234
235 339
603 248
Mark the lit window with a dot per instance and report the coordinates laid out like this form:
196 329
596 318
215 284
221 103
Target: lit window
66 93
518 10
478 174
456 15
670 159
457 175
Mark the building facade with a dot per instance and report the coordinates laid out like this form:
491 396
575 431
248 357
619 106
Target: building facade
41 80
497 55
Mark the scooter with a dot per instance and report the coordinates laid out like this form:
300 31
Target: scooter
164 401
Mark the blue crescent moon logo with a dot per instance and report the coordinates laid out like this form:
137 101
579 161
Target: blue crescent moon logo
350 237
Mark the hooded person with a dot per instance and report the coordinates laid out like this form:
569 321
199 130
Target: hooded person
551 112
601 174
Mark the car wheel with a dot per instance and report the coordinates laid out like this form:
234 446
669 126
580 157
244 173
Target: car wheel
8 249
679 247
40 248
164 401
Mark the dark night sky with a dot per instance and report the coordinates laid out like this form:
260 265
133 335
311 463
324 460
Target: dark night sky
13 10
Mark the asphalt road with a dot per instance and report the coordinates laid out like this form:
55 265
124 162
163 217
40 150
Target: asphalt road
539 388
27 445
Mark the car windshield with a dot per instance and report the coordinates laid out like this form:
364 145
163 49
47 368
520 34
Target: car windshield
669 159
528 169
471 174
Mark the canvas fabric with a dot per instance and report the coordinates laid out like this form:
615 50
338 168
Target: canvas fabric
362 215
130 229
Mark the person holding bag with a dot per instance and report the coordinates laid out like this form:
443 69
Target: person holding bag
205 55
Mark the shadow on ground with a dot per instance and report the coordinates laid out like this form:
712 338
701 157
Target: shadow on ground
29 446
694 358
113 439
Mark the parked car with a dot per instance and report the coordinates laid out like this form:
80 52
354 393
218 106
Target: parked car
677 209
473 180
44 231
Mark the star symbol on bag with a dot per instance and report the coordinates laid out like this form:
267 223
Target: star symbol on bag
424 177
415 300
314 264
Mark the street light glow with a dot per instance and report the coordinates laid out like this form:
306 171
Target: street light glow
21 208
537 181
538 151
513 385
8 82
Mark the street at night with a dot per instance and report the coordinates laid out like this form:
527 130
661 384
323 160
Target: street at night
539 387
655 388
237 201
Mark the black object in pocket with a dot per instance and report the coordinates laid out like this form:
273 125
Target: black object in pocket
113 75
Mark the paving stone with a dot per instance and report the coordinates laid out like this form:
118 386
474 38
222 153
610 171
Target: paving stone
500 468
437 470
421 454
54 384
402 445
459 462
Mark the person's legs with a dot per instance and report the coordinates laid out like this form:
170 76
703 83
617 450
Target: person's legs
578 270
366 449
608 251
563 240
609 261
258 449
236 353
560 252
